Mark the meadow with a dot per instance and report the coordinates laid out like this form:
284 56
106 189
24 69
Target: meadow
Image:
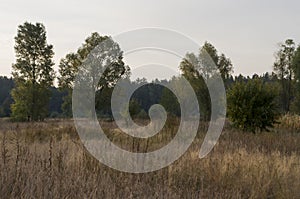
47 160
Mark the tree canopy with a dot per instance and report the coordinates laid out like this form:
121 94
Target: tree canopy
283 67
69 67
33 73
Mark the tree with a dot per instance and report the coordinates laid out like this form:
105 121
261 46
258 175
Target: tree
190 72
103 101
33 73
251 105
212 51
207 63
69 66
56 101
225 67
170 102
283 67
296 69
6 85
223 63
197 69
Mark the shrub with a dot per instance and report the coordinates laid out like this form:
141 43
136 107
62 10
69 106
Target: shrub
251 105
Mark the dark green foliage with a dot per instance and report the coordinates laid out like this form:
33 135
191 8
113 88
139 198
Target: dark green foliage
251 105
66 105
296 69
296 64
33 73
197 82
30 95
170 102
6 85
148 94
134 108
56 101
223 63
283 67
103 102
69 66
30 102
197 69
295 106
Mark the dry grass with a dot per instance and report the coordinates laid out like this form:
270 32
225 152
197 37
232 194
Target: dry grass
289 122
46 160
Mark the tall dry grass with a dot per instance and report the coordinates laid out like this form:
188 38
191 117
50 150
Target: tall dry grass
289 123
47 160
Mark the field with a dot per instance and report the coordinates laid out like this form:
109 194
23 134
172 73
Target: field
47 160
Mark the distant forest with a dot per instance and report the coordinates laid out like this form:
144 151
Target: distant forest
144 97
6 86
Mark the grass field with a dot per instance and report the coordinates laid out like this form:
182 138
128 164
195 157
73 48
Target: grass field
47 160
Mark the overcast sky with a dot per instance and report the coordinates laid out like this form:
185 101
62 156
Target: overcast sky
246 31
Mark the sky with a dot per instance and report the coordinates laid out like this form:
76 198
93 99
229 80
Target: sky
248 32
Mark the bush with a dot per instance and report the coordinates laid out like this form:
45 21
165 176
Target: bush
251 105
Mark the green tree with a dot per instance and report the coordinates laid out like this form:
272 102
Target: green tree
225 67
283 67
251 105
6 85
296 68
33 73
103 101
223 63
212 51
69 66
190 72
206 61
197 69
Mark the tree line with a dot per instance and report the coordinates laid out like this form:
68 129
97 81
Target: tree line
30 95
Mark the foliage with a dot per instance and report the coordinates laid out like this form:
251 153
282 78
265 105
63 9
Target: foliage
103 101
56 101
134 108
6 85
296 69
69 66
33 73
283 67
251 106
197 69
33 94
170 102
223 63
148 93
